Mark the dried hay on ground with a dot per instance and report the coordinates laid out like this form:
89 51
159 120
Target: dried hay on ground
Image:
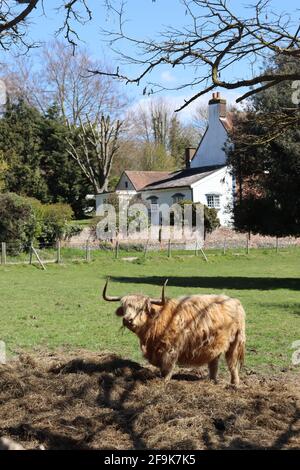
86 400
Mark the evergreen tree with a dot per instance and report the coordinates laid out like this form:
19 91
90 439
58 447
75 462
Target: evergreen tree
268 170
63 177
20 145
34 160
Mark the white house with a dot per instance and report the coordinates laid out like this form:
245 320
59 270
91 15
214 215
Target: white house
206 178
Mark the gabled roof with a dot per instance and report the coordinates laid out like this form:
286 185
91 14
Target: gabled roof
183 178
140 179
227 122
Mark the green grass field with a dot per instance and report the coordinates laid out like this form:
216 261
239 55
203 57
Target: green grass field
62 306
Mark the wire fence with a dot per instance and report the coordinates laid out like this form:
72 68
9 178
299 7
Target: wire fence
43 254
89 250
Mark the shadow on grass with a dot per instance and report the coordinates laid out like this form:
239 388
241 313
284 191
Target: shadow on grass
293 308
209 282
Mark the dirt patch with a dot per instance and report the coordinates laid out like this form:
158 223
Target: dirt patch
86 400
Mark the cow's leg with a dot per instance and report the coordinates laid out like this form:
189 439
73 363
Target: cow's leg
234 372
233 358
167 365
213 369
167 373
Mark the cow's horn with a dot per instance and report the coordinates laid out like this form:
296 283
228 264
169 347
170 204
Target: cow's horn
109 298
161 301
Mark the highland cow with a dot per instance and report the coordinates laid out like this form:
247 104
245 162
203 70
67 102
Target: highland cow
188 331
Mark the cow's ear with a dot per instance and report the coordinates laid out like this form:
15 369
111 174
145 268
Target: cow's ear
120 312
150 309
152 312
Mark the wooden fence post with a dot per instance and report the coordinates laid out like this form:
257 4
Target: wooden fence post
204 255
87 252
146 249
38 258
30 253
3 253
247 245
169 249
276 244
58 246
196 248
224 247
117 249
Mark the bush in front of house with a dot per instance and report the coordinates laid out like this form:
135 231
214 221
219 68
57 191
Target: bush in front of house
211 220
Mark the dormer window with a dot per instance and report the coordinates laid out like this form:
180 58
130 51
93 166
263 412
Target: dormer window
213 201
178 197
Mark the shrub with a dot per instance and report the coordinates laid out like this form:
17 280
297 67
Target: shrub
24 220
54 222
211 220
72 230
17 222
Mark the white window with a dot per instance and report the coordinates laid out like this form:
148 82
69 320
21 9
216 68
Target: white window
213 201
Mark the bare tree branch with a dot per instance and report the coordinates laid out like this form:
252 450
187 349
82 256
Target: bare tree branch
7 24
215 39
13 22
98 143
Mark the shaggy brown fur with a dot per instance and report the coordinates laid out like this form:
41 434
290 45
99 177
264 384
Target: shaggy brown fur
189 331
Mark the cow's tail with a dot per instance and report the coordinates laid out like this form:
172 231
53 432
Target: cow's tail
241 349
241 336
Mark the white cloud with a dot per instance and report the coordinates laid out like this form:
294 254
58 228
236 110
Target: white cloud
167 77
175 102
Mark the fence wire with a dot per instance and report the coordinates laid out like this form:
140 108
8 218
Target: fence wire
88 250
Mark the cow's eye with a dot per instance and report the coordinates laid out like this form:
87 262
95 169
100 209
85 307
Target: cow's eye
120 312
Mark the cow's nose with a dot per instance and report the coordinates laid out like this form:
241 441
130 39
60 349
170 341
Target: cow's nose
127 321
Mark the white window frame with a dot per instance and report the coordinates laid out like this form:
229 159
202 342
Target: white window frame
213 201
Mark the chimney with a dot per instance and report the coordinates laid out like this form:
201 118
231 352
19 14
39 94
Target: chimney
189 154
217 107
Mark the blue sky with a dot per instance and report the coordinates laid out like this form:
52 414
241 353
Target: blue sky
145 19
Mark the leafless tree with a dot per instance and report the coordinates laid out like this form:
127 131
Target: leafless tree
74 89
200 118
13 22
63 78
150 121
93 147
23 82
214 40
15 16
155 136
